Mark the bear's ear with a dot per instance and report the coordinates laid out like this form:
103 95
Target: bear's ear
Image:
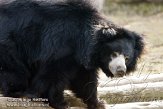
108 31
135 38
138 41
105 32
139 44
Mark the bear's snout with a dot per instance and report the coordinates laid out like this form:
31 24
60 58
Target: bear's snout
121 71
117 66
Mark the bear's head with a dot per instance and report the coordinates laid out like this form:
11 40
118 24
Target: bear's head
117 51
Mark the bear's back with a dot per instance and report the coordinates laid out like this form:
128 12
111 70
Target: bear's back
38 30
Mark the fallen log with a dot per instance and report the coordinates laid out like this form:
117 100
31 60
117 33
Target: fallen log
135 79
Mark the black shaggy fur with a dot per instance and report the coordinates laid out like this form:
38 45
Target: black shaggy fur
45 48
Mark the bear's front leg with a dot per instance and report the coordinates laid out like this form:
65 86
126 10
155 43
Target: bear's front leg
47 85
12 84
85 87
56 97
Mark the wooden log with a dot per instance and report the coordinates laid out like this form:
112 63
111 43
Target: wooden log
132 93
135 79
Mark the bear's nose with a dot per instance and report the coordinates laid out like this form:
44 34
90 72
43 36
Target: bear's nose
121 71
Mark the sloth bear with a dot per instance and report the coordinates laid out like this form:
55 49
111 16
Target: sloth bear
46 48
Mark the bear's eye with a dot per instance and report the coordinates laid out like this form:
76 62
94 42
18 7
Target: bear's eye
114 54
126 58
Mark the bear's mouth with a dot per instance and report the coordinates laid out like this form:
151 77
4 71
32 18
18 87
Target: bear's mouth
117 65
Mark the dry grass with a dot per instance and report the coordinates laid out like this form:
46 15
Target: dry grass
130 7
116 98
